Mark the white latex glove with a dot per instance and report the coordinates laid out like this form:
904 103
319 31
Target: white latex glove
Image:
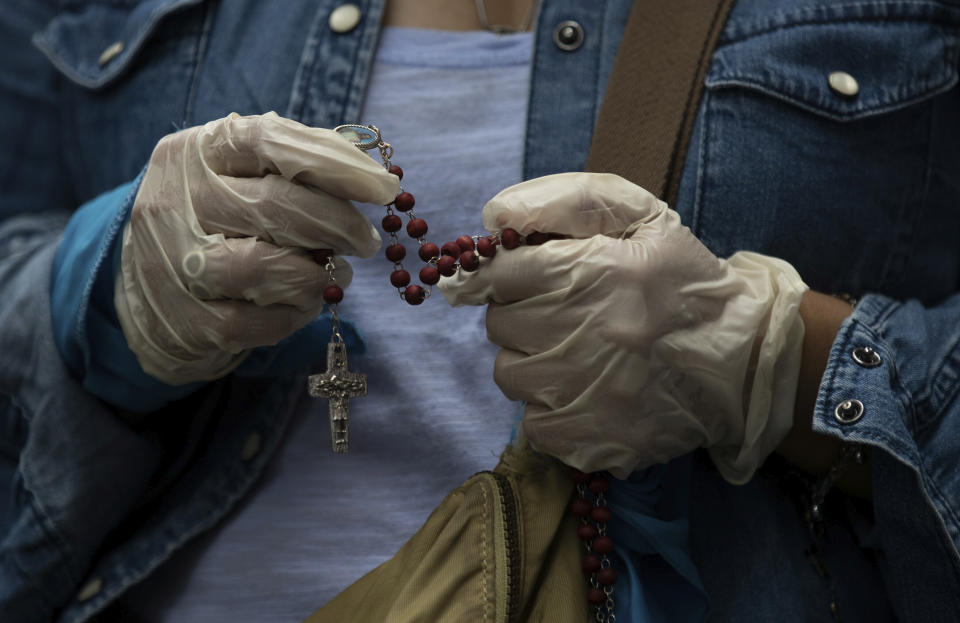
631 343
215 257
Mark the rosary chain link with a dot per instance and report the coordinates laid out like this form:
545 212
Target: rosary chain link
603 612
850 451
815 518
386 152
607 608
411 214
336 336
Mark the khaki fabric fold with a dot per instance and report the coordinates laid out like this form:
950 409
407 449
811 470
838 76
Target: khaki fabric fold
482 557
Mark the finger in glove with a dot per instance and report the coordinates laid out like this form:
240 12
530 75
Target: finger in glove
256 271
580 205
285 213
260 144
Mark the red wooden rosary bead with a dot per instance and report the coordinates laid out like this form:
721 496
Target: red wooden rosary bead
400 278
599 485
429 275
333 294
607 577
417 228
581 507
590 563
414 295
603 545
447 265
465 243
486 248
391 223
451 248
537 238
510 238
404 202
428 251
601 514
596 596
395 252
586 532
395 170
469 261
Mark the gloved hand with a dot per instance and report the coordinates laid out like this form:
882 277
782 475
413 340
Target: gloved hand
215 256
631 343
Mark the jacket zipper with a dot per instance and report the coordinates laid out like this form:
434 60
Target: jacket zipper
510 509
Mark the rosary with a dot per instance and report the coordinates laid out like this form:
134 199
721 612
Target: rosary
338 384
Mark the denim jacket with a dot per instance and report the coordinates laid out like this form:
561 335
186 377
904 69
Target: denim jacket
856 186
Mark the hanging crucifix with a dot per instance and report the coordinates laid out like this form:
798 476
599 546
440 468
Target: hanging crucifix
338 385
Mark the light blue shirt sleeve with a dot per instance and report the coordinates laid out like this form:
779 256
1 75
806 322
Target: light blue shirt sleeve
88 333
85 325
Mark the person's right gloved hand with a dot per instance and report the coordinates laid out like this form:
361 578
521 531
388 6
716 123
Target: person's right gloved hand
215 258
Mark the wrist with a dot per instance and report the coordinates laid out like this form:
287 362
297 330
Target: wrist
813 452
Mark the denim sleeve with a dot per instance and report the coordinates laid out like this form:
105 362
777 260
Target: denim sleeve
911 417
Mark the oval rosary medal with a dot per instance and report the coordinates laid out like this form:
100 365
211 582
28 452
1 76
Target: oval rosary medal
366 137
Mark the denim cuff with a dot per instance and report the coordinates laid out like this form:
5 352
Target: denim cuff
861 398
901 398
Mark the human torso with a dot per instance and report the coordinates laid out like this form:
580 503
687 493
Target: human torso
863 200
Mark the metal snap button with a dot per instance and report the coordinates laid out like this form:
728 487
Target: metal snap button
866 357
848 411
88 590
344 18
251 447
843 83
110 52
568 35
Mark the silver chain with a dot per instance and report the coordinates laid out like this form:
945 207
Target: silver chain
332 307
603 613
815 520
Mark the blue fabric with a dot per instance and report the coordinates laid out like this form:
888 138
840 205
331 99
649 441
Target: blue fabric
85 324
657 576
859 194
768 105
88 333
658 579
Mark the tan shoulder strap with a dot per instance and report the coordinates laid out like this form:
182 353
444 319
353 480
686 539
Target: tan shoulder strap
654 90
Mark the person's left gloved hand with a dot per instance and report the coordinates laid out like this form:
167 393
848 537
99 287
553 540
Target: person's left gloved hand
630 342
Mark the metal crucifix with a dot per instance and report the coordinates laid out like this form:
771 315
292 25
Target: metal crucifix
338 385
